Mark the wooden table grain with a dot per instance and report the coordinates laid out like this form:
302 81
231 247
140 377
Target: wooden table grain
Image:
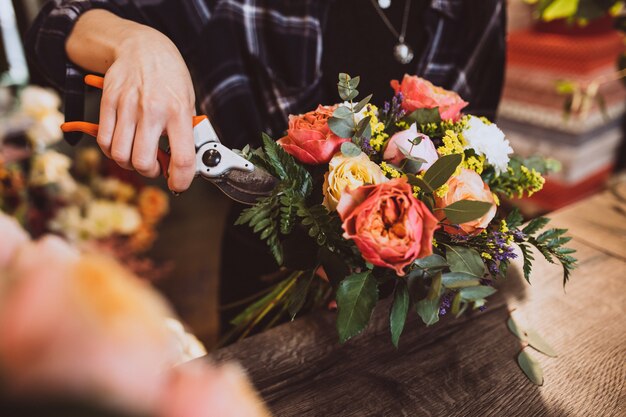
467 367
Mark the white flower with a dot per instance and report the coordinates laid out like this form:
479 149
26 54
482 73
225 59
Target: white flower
104 218
52 168
488 140
41 106
69 222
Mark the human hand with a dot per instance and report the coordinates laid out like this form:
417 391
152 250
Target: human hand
147 91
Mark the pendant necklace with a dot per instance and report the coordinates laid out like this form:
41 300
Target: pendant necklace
402 52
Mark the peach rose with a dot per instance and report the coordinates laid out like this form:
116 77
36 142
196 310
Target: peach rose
349 172
419 93
401 141
309 139
13 236
468 185
389 225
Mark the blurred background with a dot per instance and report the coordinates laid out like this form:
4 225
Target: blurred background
564 98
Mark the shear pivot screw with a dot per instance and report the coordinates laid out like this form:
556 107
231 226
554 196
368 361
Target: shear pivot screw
211 158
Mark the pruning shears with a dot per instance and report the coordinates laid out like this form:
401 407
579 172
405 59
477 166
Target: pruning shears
237 177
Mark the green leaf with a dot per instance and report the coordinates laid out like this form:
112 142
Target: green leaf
272 151
435 287
418 182
514 219
354 82
535 225
516 330
462 259
530 367
476 293
412 166
456 305
300 292
433 261
428 310
443 168
361 104
528 260
349 149
344 128
539 344
455 280
399 311
466 210
424 116
342 112
363 127
356 297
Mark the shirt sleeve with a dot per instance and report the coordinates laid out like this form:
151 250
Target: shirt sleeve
45 45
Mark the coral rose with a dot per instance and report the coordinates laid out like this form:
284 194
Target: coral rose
309 139
349 172
389 225
468 185
401 141
419 93
153 204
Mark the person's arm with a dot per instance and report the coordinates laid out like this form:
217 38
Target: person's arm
147 90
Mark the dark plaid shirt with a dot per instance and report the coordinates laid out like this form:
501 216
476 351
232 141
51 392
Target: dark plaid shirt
253 62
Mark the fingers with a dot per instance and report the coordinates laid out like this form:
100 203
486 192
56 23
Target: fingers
108 107
146 146
183 154
125 126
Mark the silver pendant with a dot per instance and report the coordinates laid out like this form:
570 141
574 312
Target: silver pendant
384 4
403 53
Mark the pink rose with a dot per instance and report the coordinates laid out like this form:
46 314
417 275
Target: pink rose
468 185
13 236
309 139
419 93
401 141
389 225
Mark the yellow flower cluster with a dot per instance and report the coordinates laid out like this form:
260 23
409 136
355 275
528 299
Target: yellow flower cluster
442 191
475 163
452 143
390 171
379 137
533 179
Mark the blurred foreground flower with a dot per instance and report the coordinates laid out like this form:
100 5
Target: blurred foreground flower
80 325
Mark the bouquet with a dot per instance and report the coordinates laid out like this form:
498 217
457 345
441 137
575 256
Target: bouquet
401 200
78 199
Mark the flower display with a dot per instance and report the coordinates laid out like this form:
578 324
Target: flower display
389 225
418 93
402 144
468 185
408 205
41 107
309 138
347 173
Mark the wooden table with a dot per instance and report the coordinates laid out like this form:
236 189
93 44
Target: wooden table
467 367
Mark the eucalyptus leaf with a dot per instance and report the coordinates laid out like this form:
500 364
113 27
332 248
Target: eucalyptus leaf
462 259
362 126
354 82
356 297
443 168
344 128
361 104
476 293
350 149
466 210
428 310
515 328
530 367
454 280
417 181
433 261
435 287
539 344
399 311
412 166
342 112
456 304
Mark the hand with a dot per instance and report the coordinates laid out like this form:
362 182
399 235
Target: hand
147 91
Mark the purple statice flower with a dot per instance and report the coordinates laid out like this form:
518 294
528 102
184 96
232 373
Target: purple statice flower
482 308
446 302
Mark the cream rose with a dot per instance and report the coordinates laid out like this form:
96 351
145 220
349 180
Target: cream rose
349 172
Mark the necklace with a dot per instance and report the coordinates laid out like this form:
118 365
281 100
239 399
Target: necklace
402 52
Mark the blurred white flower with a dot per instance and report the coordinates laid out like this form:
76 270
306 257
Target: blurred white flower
53 168
488 140
41 105
113 188
188 346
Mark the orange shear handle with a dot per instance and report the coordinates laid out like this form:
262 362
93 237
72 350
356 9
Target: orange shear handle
91 129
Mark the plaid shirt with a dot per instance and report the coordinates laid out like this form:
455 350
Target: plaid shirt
260 60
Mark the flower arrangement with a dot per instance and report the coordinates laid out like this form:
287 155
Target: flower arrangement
49 192
401 200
